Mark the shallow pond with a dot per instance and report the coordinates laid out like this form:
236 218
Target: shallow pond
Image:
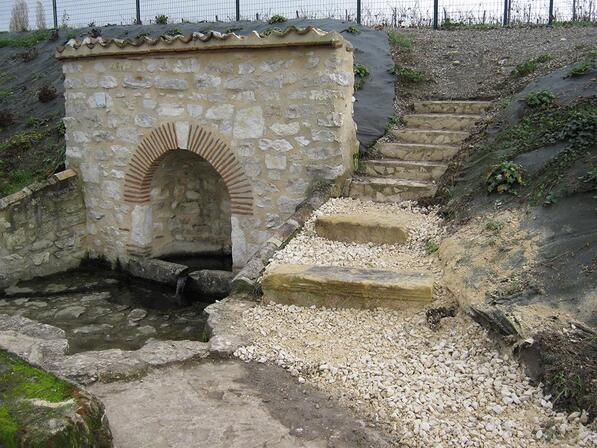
102 309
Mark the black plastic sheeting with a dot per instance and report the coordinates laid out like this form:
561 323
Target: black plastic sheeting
374 103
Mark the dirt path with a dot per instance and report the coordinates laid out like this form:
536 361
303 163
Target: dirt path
227 404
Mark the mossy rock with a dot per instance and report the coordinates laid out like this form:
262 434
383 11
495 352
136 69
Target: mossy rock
37 409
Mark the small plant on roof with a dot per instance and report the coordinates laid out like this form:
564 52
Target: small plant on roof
268 31
142 35
504 177
276 19
161 19
539 99
173 32
360 73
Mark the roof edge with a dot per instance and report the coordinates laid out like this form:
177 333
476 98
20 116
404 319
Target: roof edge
213 40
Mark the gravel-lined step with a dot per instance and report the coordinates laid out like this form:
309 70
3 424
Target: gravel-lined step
450 122
404 169
343 287
374 228
415 152
452 107
430 137
387 189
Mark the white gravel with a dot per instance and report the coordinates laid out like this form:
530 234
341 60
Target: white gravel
445 388
424 224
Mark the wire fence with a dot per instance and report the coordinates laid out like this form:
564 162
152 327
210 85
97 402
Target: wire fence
81 13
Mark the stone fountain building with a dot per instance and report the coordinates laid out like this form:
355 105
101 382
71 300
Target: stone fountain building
207 142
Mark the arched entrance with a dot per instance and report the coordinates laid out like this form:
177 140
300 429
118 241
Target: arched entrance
185 187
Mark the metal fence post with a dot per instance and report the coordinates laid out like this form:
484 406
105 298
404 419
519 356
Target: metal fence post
574 11
550 12
435 14
359 12
237 10
138 5
506 12
55 14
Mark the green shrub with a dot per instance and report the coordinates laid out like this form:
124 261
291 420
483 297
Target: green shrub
360 73
352 30
539 99
161 19
399 39
504 177
276 19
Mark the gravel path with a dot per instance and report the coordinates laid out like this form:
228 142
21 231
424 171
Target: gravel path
424 224
426 388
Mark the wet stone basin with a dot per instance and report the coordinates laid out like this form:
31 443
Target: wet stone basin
103 309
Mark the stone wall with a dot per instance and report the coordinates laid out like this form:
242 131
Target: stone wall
272 115
42 229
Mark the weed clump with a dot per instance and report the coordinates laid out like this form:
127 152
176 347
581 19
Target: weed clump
266 32
173 32
409 75
161 19
528 67
360 73
541 98
352 30
399 39
504 177
28 41
276 19
494 225
431 247
46 94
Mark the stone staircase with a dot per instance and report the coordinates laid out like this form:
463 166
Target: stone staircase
412 164
340 287
409 170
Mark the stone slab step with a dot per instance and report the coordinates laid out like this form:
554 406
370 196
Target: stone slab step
430 136
341 287
387 189
451 122
424 171
452 107
417 151
371 227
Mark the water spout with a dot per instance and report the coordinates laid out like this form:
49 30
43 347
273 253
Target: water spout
180 284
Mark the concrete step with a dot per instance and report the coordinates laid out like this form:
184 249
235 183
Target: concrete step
430 136
452 107
424 171
417 151
451 122
341 287
387 189
371 227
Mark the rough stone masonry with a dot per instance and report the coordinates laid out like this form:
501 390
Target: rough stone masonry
207 141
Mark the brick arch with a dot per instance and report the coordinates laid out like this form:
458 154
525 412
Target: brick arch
203 142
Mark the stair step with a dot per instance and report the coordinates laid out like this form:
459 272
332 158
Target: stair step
414 151
404 169
452 107
387 189
451 122
342 287
371 227
430 136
